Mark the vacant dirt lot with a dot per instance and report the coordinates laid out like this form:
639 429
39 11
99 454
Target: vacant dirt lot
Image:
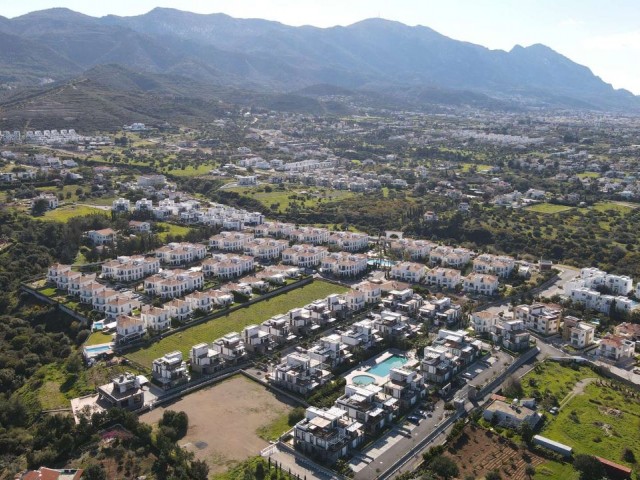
223 420
479 451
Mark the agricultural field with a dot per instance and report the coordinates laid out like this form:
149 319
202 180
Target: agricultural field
548 208
234 322
64 214
479 451
224 420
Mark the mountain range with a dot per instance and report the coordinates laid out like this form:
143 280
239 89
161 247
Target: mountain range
382 60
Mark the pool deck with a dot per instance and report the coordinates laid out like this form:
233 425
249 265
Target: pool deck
365 367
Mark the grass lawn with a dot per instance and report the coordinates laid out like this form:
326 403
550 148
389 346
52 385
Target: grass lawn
555 470
548 208
589 175
64 214
97 338
616 207
555 378
190 171
172 230
479 167
273 430
601 421
234 322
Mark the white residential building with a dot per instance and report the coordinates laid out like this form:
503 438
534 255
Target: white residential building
226 266
304 256
181 253
342 264
102 237
501 266
484 321
204 359
230 347
173 283
616 348
230 241
349 241
540 317
155 318
480 283
121 205
444 277
255 339
129 328
265 248
299 373
130 269
170 370
327 435
408 272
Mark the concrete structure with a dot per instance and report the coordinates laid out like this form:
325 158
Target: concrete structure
124 391
170 370
539 317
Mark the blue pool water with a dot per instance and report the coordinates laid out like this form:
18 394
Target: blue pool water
98 349
382 369
380 263
98 325
363 379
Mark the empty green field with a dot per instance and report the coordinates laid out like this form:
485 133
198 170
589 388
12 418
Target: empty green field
554 378
190 171
548 208
615 206
64 214
478 166
601 421
308 197
589 175
172 230
234 322
554 470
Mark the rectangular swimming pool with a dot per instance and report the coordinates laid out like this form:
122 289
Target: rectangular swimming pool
382 369
97 350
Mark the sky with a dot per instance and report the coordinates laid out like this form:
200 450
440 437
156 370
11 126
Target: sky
603 35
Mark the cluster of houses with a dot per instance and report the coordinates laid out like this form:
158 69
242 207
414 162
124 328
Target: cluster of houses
484 279
513 333
602 291
349 180
48 137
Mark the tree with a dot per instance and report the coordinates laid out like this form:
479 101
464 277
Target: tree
444 467
39 207
94 472
526 432
493 475
530 470
589 467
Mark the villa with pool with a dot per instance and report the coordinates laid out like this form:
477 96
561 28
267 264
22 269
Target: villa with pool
395 373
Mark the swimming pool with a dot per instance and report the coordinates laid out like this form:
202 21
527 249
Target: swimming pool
98 325
382 369
380 263
363 379
97 349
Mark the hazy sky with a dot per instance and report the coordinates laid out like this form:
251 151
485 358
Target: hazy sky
603 35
